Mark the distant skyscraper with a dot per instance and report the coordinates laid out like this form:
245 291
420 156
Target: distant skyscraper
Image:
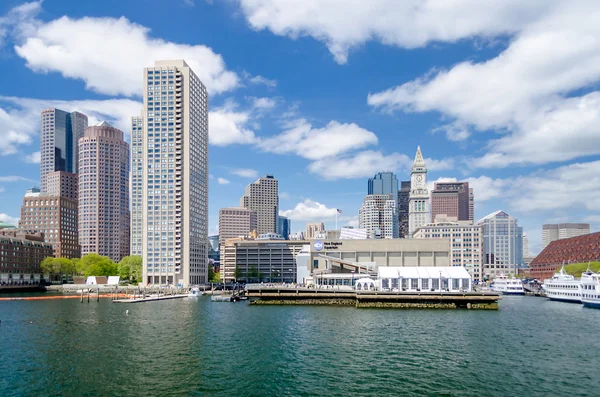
525 245
418 206
552 232
284 227
379 216
104 192
502 244
60 132
137 181
313 229
384 183
175 175
236 222
452 199
471 205
403 200
262 196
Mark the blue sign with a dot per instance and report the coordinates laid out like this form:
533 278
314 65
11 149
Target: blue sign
318 245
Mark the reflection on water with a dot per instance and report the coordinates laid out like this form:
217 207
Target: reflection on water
196 347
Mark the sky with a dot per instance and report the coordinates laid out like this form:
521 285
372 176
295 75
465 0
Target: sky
323 94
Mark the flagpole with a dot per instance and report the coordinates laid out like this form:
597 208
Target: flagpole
336 214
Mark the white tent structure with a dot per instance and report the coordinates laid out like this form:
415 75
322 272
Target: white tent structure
424 279
365 284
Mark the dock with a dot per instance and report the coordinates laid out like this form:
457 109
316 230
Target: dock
150 299
275 295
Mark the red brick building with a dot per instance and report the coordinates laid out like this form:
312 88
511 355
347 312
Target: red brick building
579 249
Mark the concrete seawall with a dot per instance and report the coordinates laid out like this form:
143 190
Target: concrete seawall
376 299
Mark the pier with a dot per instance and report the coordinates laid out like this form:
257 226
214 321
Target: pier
277 295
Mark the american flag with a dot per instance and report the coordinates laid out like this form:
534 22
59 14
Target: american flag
339 211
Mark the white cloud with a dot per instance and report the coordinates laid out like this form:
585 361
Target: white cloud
525 93
260 80
310 211
569 187
9 219
228 127
33 158
15 178
315 143
109 54
246 173
2 189
407 23
284 195
222 181
352 221
360 165
262 103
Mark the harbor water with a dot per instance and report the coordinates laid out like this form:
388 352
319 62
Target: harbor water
195 347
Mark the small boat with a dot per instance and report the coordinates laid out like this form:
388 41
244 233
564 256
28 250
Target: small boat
508 286
195 292
590 289
563 287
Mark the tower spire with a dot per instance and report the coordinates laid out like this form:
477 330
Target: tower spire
419 162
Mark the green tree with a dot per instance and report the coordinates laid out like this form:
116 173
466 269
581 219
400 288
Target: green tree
238 274
96 265
253 273
216 278
130 268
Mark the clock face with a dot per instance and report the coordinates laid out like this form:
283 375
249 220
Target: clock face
419 178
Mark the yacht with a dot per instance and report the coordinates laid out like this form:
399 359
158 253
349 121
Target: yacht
508 286
195 292
590 289
563 287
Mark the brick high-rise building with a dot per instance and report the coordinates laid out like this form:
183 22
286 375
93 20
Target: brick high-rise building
56 217
64 184
452 199
174 193
104 192
262 196
20 257
313 229
60 132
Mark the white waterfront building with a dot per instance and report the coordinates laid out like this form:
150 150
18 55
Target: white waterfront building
418 202
379 216
174 176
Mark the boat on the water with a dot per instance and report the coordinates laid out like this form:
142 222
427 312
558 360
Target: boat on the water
508 286
563 287
590 289
195 292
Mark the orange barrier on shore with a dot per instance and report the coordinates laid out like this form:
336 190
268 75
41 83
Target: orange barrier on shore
43 298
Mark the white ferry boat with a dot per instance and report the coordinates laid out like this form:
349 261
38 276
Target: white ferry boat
508 286
590 289
563 287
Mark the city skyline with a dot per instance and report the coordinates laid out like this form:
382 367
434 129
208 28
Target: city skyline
274 118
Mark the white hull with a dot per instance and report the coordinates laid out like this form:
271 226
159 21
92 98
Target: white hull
508 286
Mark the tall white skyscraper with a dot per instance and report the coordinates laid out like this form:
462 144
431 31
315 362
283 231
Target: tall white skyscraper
418 205
379 216
137 181
174 176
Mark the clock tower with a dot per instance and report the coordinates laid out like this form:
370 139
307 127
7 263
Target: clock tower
418 204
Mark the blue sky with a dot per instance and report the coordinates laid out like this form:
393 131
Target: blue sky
324 93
